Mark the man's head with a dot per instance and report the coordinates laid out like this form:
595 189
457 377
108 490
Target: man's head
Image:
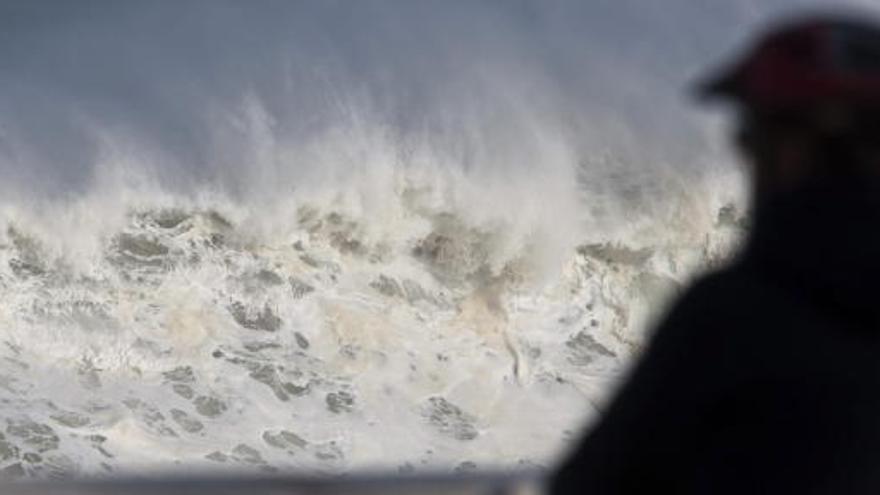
808 94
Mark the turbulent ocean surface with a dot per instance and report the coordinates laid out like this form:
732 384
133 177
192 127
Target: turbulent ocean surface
321 237
420 340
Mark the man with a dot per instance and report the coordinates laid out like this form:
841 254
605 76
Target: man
765 377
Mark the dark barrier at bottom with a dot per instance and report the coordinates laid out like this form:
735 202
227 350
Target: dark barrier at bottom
488 484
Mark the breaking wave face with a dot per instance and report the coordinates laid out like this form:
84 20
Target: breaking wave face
427 342
334 236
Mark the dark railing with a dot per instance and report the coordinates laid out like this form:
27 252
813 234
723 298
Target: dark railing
485 484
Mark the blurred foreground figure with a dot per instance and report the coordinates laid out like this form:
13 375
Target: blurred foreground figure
765 377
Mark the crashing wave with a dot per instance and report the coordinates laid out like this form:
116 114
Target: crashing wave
190 341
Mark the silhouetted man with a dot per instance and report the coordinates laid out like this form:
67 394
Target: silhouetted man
765 377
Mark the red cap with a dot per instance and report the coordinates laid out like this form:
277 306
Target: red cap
812 61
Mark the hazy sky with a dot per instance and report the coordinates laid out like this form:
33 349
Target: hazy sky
180 81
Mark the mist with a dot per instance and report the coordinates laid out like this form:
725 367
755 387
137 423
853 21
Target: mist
186 87
575 113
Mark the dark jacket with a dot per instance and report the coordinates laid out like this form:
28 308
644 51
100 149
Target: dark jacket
765 377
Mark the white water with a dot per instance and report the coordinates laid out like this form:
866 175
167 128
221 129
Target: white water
426 339
322 240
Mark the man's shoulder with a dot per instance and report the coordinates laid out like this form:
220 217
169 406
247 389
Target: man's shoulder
736 275
734 296
733 286
724 313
